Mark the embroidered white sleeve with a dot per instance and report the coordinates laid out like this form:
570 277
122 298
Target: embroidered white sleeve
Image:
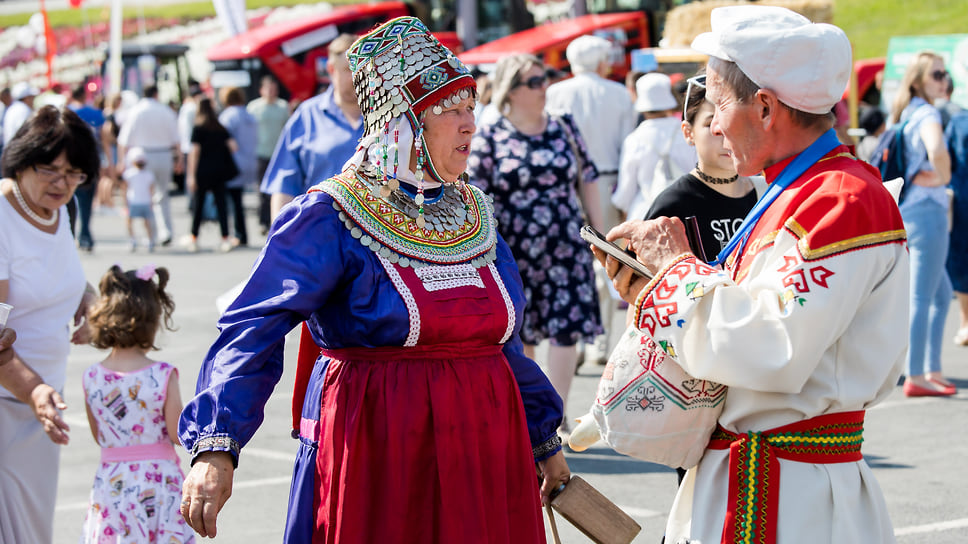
407 299
507 301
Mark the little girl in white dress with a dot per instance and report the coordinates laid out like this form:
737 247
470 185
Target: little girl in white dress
133 405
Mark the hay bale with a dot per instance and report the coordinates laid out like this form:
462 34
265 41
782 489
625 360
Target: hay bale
687 21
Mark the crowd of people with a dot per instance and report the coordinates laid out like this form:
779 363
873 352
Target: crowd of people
733 181
152 137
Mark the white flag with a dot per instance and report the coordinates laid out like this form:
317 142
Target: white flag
232 15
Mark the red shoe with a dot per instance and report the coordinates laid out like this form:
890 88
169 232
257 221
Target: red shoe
913 390
945 385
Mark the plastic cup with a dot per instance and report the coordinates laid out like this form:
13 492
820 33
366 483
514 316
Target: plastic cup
4 314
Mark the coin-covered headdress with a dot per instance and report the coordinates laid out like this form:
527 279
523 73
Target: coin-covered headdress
400 70
401 67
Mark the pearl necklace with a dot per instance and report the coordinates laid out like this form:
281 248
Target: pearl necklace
31 213
715 181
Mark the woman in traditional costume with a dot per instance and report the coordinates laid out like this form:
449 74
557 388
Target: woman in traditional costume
421 419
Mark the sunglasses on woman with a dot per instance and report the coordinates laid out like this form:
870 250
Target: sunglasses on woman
939 75
534 82
700 83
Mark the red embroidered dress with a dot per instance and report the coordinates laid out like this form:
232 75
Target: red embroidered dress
422 418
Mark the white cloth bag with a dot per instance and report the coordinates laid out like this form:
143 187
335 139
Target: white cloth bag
647 407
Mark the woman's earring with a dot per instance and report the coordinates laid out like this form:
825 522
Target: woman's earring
419 174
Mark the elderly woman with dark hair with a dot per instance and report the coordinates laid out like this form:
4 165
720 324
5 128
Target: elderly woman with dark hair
52 154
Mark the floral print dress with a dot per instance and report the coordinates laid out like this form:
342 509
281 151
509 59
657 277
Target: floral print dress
533 182
133 501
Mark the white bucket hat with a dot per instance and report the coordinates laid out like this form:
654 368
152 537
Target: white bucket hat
23 90
135 155
654 93
806 64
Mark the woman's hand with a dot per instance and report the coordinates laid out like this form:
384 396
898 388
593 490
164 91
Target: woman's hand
553 472
47 404
206 488
190 183
82 335
7 338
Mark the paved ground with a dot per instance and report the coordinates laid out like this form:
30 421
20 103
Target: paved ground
917 447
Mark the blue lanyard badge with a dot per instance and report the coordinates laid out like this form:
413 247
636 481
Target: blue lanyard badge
823 145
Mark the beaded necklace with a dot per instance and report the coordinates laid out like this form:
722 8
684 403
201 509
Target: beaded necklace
715 181
31 213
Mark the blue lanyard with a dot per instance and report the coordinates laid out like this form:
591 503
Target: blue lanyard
823 145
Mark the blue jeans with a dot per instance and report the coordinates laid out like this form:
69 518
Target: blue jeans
926 223
85 200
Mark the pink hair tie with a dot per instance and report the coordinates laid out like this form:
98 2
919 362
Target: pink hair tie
145 272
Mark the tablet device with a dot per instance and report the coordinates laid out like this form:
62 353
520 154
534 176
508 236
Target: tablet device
624 256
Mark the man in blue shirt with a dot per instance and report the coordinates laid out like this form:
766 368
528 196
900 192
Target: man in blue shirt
85 193
321 135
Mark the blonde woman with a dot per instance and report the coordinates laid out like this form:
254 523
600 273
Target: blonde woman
924 209
529 162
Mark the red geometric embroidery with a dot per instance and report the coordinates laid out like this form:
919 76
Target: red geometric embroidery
681 270
788 263
665 290
657 316
650 358
704 269
797 279
819 276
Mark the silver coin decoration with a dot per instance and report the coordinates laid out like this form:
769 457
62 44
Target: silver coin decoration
379 80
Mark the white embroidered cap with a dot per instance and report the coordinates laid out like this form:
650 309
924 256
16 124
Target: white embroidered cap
806 64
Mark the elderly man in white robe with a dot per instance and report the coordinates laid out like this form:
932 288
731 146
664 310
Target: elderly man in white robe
806 320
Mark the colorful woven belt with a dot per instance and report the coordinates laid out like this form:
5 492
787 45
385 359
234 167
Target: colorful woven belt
754 467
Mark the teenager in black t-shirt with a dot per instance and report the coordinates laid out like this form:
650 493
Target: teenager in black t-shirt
712 192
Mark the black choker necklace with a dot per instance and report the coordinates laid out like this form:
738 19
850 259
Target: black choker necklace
715 181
